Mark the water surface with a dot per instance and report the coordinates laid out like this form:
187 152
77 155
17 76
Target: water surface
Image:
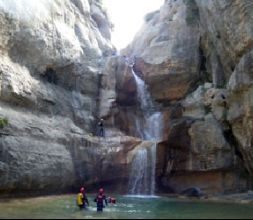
127 208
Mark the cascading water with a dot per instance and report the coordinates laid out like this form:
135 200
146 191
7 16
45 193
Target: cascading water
139 174
143 171
143 95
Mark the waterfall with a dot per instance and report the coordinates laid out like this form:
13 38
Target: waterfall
153 169
139 173
143 170
143 95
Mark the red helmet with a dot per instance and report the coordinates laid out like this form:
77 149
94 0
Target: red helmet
101 191
82 190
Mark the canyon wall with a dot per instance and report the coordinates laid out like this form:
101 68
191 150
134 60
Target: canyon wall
52 56
195 56
59 74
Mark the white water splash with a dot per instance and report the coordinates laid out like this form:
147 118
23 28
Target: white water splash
143 172
139 173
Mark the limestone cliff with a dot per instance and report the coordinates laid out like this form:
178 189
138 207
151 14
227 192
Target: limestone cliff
58 76
227 43
196 57
52 55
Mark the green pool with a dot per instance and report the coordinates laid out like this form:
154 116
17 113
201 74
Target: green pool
127 208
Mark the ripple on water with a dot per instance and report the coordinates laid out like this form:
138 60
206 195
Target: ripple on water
142 196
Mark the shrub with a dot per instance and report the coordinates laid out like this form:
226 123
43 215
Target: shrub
3 122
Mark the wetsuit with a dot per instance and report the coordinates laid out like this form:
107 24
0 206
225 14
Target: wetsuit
79 200
100 199
82 200
85 201
101 129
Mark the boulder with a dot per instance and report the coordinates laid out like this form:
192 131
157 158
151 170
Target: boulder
167 51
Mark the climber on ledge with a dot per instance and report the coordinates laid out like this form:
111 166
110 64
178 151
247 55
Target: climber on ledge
101 128
100 199
130 61
82 199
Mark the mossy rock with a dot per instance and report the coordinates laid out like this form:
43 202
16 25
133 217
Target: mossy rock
3 122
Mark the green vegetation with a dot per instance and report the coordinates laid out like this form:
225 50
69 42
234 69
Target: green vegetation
3 122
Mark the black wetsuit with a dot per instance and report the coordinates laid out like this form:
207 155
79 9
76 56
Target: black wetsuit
101 129
85 201
100 199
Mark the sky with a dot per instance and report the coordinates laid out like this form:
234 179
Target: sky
128 17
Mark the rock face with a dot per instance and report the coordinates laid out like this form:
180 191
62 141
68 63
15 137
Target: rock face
234 53
58 76
197 66
240 109
52 55
167 50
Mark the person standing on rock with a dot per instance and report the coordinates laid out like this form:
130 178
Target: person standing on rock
101 128
130 61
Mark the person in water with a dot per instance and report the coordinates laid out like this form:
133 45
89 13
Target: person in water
82 200
101 200
112 200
